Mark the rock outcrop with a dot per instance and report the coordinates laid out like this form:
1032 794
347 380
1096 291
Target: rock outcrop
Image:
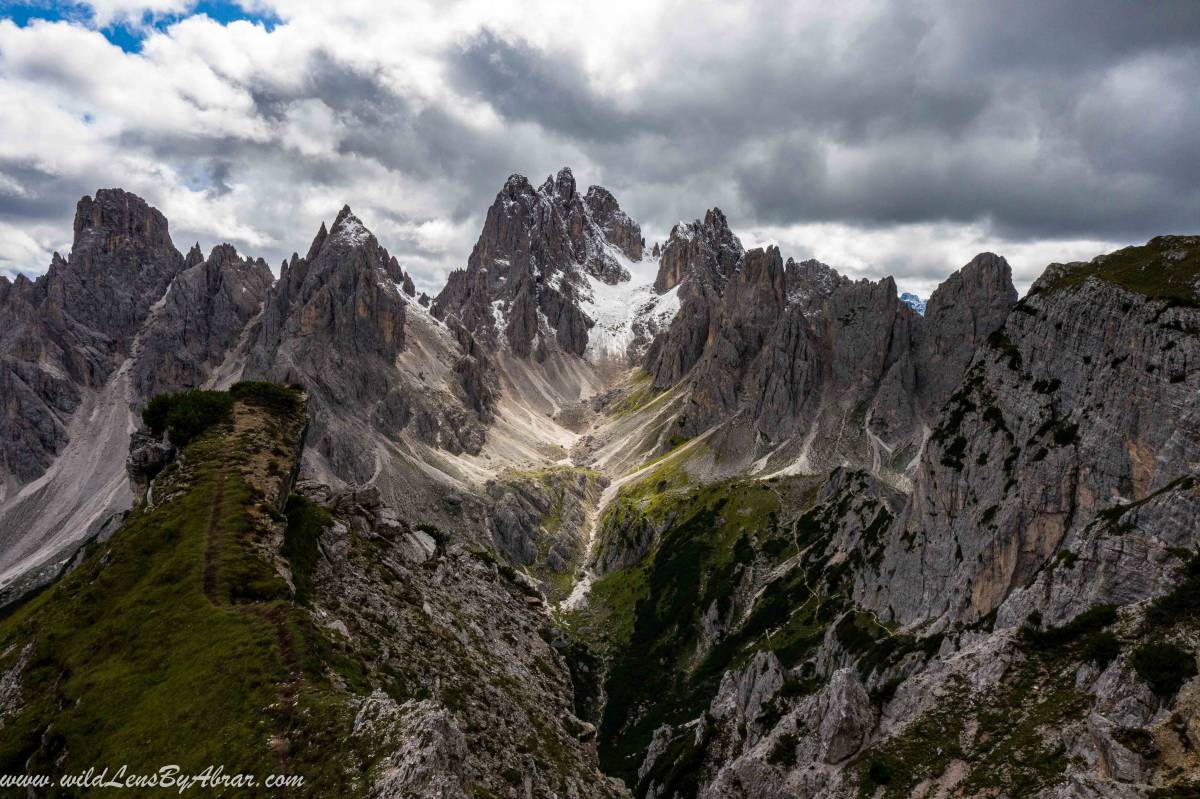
201 320
1038 440
538 247
539 519
67 331
469 634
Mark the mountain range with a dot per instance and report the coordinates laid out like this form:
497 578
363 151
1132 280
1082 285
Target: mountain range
750 528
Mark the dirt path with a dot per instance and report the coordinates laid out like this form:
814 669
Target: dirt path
210 540
275 615
289 689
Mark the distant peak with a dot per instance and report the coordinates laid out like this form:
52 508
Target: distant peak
195 256
561 185
349 228
516 184
913 301
224 253
715 218
116 212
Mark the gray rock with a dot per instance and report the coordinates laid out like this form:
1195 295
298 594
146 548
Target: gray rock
148 455
67 331
334 322
535 247
202 317
846 716
1034 444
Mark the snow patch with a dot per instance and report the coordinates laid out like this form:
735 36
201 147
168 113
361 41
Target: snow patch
618 310
352 231
914 302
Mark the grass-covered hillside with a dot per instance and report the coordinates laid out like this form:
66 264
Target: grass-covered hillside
177 641
1166 267
730 569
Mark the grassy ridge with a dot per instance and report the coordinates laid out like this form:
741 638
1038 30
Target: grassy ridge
1166 267
647 616
176 642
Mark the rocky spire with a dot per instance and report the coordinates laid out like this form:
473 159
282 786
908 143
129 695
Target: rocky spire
335 322
535 254
195 256
318 242
698 260
706 249
959 316
201 320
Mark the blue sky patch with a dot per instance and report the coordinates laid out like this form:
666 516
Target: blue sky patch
126 34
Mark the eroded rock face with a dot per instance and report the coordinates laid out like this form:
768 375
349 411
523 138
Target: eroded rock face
539 519
429 748
335 323
537 247
801 369
201 319
67 331
1037 440
470 637
699 258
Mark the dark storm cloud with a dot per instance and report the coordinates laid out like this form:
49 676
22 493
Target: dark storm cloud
420 140
1043 119
1033 120
523 83
43 194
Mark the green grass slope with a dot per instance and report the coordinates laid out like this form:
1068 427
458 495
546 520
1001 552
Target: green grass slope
177 641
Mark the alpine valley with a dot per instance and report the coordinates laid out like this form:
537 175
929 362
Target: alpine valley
745 529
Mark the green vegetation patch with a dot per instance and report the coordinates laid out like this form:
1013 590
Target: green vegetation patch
174 642
305 521
185 415
1164 666
647 616
647 619
1182 602
1091 620
270 396
1167 267
640 395
1012 747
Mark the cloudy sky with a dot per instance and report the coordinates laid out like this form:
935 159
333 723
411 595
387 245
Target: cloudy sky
882 138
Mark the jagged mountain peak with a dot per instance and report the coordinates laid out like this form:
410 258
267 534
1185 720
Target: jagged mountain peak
561 186
715 218
913 301
195 255
533 263
516 184
984 282
348 229
115 214
761 264
705 248
318 242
